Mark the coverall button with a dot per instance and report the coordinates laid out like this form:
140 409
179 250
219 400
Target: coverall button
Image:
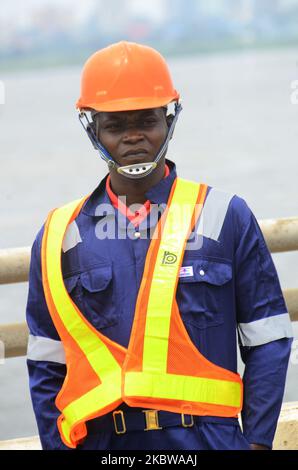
137 234
202 272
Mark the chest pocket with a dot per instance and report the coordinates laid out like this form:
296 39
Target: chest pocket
93 292
200 295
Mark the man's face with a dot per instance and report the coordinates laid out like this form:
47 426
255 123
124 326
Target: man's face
132 136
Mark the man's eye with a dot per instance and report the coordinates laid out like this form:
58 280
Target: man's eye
149 121
112 126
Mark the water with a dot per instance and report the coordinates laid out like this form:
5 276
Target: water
238 131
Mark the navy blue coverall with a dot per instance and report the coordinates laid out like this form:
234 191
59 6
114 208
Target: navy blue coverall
228 288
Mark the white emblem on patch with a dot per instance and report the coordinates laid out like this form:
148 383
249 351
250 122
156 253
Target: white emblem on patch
186 271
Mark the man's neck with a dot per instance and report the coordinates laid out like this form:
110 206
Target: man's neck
135 190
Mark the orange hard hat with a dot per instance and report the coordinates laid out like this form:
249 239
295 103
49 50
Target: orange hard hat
126 76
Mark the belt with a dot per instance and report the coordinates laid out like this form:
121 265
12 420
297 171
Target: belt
152 420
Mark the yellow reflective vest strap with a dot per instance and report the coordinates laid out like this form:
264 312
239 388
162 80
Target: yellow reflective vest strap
183 388
87 338
165 274
99 356
87 406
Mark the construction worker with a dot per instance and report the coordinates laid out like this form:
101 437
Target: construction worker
139 290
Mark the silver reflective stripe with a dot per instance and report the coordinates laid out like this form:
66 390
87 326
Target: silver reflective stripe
265 330
72 237
45 349
214 213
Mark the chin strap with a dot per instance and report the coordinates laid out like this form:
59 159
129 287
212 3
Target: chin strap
136 170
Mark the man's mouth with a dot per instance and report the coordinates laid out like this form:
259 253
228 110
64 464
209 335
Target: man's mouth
138 154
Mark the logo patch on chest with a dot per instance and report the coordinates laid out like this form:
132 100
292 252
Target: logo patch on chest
186 271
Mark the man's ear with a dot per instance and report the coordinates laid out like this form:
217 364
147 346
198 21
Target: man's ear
93 123
169 119
91 128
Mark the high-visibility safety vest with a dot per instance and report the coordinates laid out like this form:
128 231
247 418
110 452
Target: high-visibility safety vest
161 368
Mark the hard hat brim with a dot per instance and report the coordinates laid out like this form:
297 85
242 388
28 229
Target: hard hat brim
129 104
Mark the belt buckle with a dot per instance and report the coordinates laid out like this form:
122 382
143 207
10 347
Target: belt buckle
119 412
151 417
189 425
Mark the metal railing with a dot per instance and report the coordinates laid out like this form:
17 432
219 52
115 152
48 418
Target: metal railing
281 235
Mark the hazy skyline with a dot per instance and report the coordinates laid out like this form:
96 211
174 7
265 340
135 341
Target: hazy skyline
44 32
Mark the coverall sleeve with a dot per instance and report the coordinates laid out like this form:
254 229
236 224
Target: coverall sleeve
45 356
264 330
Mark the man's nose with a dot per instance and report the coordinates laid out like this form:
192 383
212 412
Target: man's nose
132 135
